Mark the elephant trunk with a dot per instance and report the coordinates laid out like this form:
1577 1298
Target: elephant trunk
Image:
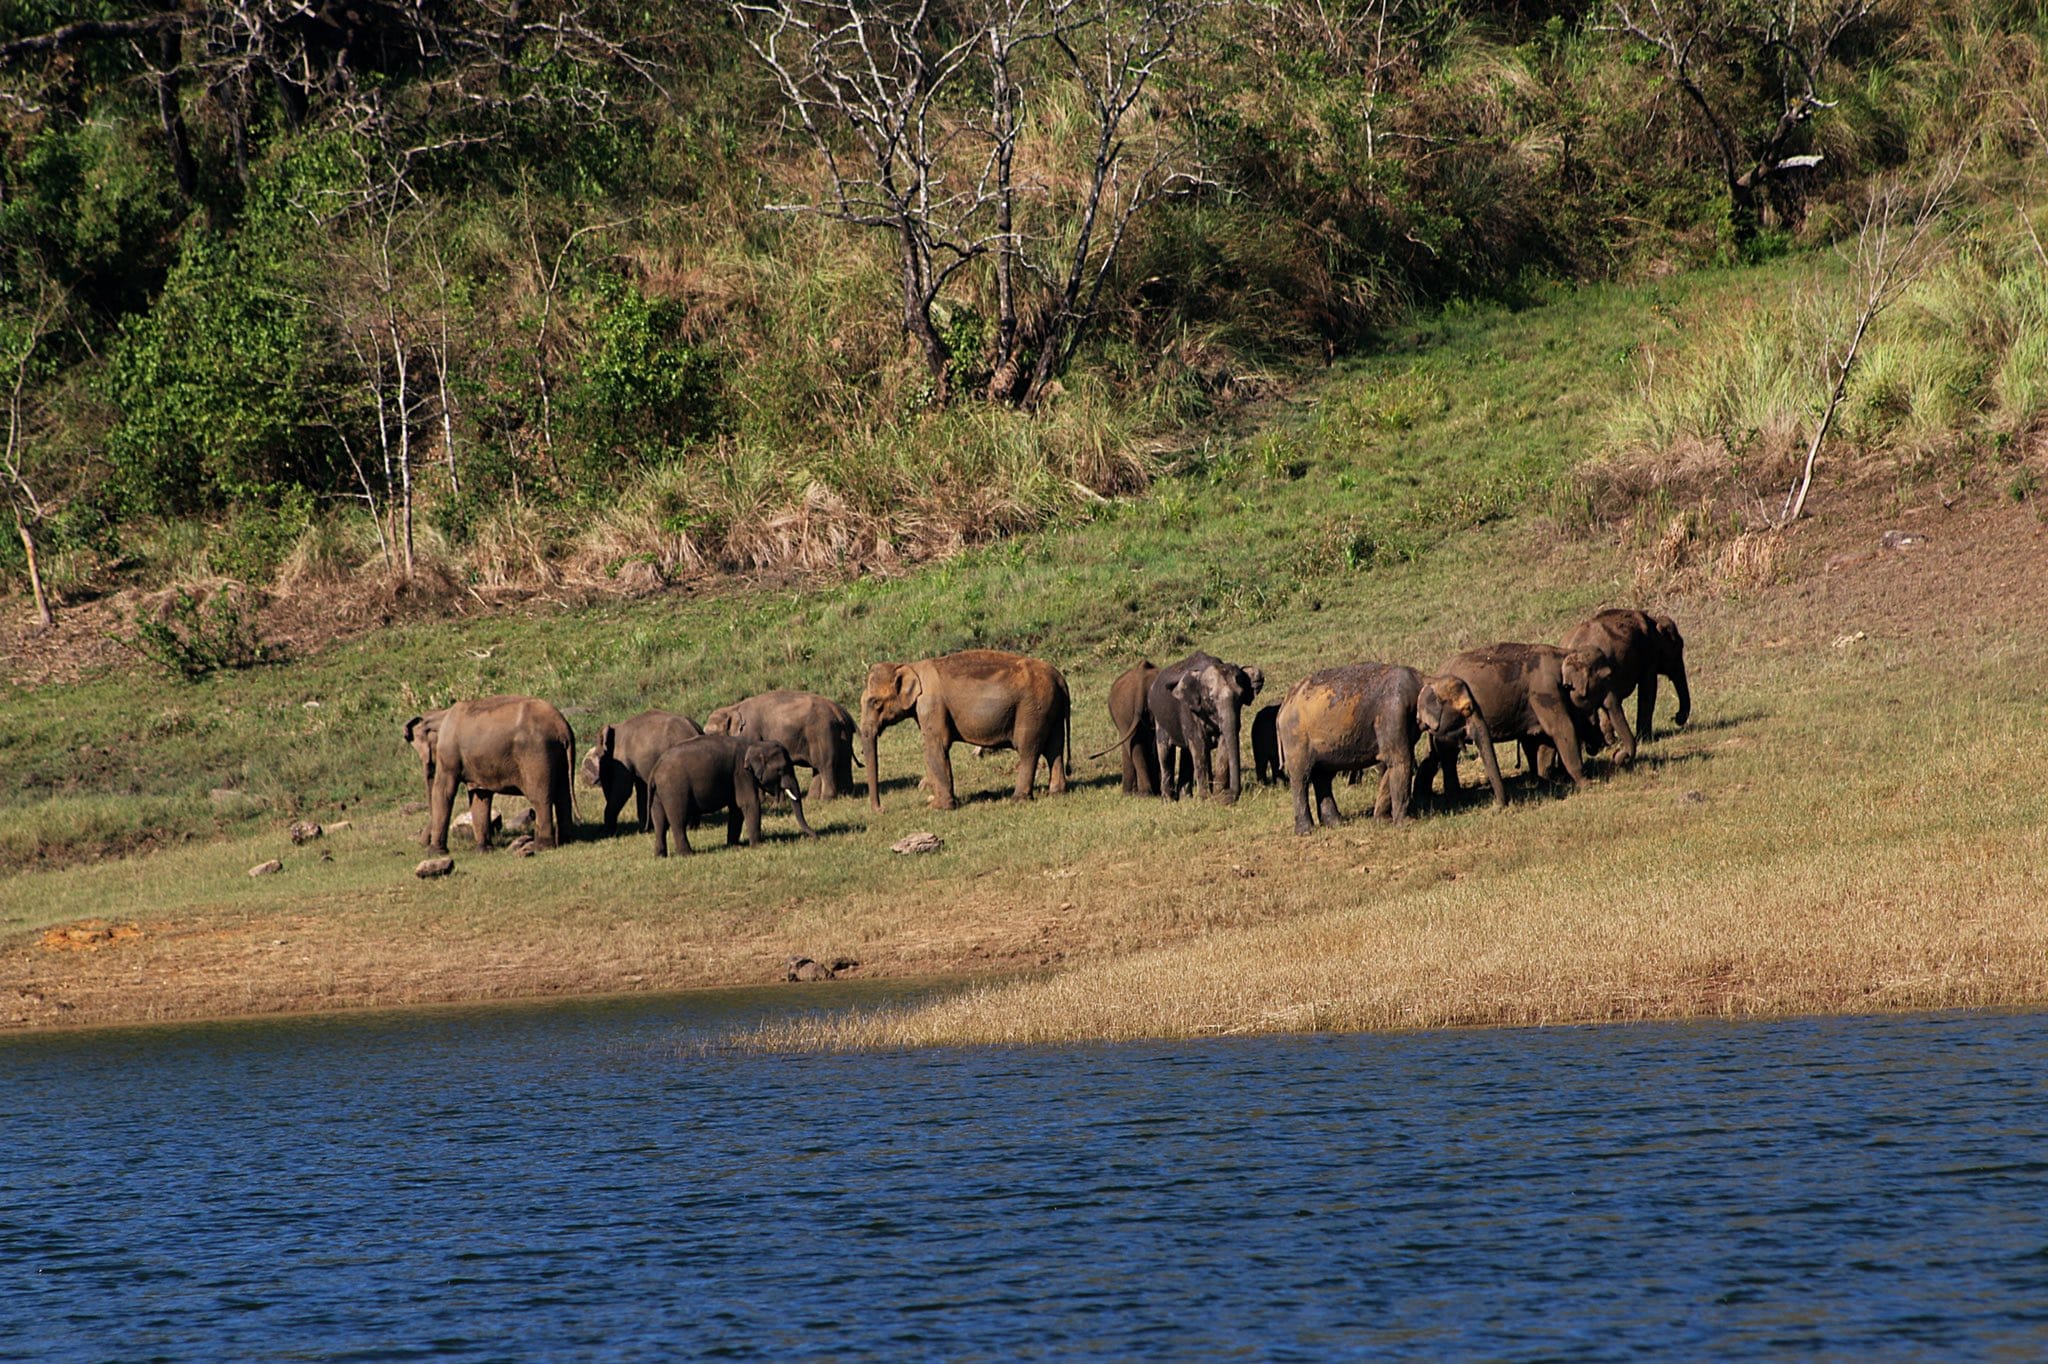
1475 730
1677 676
870 741
1232 763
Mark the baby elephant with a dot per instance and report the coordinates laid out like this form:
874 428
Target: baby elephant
714 772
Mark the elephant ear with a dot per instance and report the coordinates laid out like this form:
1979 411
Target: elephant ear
1667 630
1256 678
422 732
909 686
1189 690
759 758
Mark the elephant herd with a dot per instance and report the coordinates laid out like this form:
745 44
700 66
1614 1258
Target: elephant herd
1559 702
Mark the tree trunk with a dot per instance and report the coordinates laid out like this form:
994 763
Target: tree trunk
172 115
917 314
35 576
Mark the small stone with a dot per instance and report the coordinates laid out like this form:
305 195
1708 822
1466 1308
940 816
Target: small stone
339 825
270 868
918 843
1693 798
305 831
434 866
522 846
1900 539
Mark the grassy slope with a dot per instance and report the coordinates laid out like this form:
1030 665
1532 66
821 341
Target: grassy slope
1823 868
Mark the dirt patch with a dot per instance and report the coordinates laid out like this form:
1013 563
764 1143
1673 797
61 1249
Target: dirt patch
90 935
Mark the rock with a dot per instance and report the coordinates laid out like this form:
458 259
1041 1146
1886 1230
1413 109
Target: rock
467 820
1901 539
413 807
305 831
918 843
1693 798
522 846
434 866
1844 641
525 820
270 868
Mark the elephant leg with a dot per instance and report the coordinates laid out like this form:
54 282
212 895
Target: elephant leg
1564 737
613 803
1027 772
685 817
1382 801
1425 773
1166 751
738 825
1297 787
639 801
1397 785
1326 800
938 767
441 809
1447 753
545 835
480 820
1200 750
1646 710
1614 722
1130 768
660 822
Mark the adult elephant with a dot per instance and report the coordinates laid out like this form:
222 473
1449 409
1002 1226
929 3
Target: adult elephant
1133 721
985 697
1360 715
623 758
1640 648
719 772
1196 706
815 729
1537 693
496 746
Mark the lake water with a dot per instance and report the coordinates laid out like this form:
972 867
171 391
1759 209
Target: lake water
582 1181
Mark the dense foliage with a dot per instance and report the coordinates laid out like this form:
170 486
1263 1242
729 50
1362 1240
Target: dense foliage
494 284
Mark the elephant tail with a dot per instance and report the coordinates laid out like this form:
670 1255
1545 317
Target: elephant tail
1121 739
565 800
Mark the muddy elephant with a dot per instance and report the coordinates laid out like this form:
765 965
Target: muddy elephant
1197 705
815 729
984 697
1266 746
714 772
1360 715
1640 648
1127 711
623 758
496 746
1537 693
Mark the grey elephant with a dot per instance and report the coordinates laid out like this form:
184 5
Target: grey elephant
815 729
1640 648
496 746
1196 705
1348 718
623 758
716 772
1536 693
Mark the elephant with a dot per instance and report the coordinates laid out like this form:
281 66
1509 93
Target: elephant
1347 718
716 772
1537 693
815 729
1133 721
623 758
1640 648
985 697
496 746
1266 746
1196 703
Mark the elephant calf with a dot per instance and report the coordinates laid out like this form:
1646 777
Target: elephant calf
1364 714
623 758
496 746
717 772
1266 746
815 729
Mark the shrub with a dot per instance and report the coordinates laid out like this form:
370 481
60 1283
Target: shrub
191 640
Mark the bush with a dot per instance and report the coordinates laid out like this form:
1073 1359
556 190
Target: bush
190 640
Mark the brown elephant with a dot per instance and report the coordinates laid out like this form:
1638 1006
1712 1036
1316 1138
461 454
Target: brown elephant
1537 693
1134 729
815 729
1348 718
623 758
1196 705
1640 648
496 746
1266 746
985 697
716 772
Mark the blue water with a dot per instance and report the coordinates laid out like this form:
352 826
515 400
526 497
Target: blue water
587 1182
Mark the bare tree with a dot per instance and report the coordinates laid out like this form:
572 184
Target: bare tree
23 336
918 111
1708 47
1897 242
